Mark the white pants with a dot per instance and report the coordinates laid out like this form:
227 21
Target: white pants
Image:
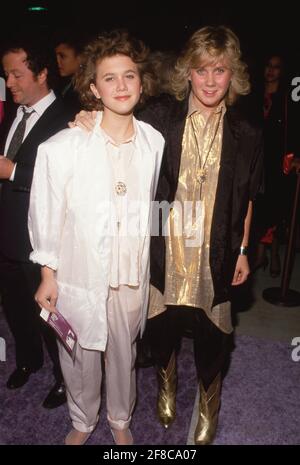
83 377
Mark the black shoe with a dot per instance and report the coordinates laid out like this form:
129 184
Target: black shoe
19 377
56 397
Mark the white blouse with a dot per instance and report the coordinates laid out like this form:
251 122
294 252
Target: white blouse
125 261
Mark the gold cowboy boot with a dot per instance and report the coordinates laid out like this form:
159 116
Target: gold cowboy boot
209 404
167 384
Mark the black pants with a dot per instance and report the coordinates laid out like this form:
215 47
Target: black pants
211 346
18 283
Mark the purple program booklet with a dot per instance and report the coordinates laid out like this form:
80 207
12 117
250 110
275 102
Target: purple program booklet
62 328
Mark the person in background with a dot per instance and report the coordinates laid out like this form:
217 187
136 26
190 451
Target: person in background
273 207
68 49
162 63
28 70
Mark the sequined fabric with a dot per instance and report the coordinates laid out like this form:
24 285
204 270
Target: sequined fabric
188 276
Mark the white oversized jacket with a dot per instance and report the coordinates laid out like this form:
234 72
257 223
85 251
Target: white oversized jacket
69 216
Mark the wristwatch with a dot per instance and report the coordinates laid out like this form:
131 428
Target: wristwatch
244 250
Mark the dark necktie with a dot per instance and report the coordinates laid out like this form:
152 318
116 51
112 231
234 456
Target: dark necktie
18 135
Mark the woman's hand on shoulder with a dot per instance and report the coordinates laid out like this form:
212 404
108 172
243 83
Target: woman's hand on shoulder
85 120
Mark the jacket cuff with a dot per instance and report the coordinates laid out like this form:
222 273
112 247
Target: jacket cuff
44 259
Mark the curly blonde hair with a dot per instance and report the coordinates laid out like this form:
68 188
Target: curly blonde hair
109 44
210 44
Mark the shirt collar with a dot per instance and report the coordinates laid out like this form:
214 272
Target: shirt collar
193 109
108 139
40 106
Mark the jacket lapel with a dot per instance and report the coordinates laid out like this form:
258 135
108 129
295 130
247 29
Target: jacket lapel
176 129
230 141
146 177
220 227
38 133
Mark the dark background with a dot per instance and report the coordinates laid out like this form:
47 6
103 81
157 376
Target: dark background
163 24
263 27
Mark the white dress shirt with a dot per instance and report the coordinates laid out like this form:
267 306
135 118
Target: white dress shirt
37 110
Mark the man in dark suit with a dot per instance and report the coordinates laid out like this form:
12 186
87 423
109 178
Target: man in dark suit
39 115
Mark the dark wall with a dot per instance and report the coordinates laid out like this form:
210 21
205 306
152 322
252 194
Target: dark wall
163 24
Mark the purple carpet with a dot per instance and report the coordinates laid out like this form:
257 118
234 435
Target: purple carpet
261 395
260 401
